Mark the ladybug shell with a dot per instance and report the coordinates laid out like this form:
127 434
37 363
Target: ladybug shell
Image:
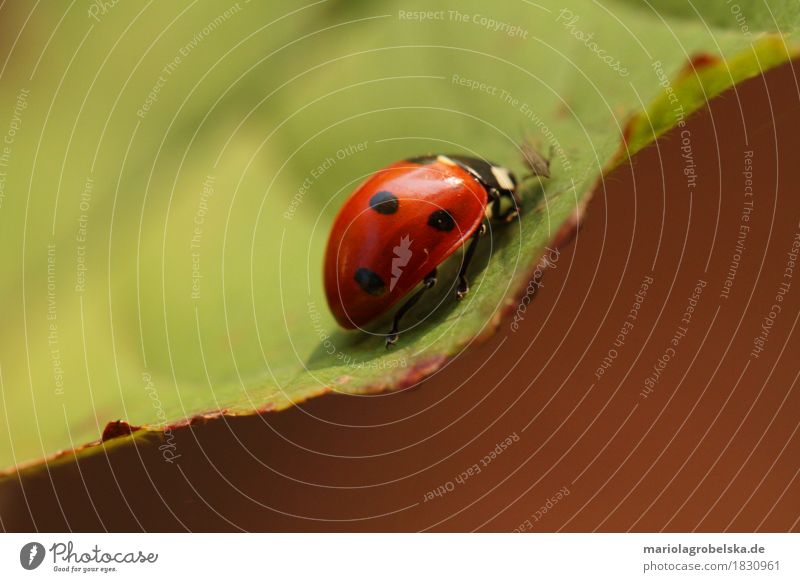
394 230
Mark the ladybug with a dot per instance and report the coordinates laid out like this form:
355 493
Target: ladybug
397 227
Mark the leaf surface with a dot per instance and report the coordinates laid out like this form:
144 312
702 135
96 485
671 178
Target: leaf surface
174 169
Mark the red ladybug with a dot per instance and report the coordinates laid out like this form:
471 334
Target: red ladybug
401 224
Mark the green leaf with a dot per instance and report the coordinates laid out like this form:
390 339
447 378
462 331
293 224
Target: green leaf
745 16
173 170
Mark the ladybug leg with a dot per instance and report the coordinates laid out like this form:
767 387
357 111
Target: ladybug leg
497 204
496 200
463 282
511 212
394 334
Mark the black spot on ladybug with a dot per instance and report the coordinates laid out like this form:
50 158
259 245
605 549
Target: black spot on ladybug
384 202
442 220
370 281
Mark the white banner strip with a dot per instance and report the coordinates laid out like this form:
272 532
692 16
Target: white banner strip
401 557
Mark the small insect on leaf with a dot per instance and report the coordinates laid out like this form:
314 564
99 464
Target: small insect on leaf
538 163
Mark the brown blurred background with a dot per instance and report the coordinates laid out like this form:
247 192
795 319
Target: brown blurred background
713 446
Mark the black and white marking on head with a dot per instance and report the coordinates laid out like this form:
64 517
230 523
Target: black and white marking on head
490 175
504 178
442 220
369 281
384 202
422 160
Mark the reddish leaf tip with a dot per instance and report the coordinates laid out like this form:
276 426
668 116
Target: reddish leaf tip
117 428
698 62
